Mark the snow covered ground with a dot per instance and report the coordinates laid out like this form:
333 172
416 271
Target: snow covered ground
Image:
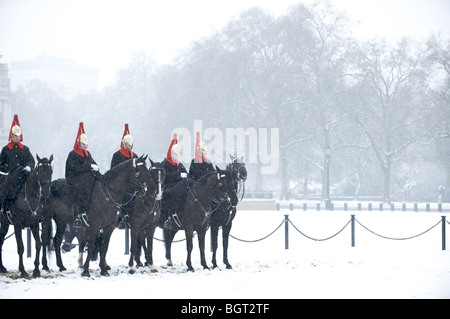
374 268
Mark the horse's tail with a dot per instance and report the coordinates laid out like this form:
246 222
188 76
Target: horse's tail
49 244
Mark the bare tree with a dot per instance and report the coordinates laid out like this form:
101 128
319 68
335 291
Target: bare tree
389 106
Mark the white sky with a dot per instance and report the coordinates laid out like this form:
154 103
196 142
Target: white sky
103 33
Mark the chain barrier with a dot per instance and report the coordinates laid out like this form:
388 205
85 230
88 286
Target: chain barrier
352 221
261 239
316 239
392 238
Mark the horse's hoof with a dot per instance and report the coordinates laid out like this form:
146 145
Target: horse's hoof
104 273
45 268
153 269
24 274
107 267
205 267
36 273
62 268
85 274
229 266
191 269
3 270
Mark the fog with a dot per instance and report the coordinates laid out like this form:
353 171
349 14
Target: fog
365 104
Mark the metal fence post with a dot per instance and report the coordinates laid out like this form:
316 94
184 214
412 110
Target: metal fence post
127 241
443 232
286 231
28 242
353 230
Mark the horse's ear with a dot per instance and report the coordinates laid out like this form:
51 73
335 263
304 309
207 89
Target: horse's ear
218 169
240 159
151 162
51 159
38 158
145 158
232 158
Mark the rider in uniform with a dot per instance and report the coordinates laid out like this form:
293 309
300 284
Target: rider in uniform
124 154
174 192
200 164
16 164
81 173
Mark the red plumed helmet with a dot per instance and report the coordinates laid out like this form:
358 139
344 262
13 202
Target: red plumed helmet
15 128
169 156
81 137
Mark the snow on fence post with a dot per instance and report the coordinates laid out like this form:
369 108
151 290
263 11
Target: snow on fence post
353 230
443 232
286 231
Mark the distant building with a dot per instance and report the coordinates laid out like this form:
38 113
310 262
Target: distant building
5 102
63 75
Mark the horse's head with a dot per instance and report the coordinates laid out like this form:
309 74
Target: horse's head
42 175
141 178
237 166
226 189
158 174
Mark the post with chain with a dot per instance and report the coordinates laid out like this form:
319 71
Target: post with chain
443 232
286 231
353 230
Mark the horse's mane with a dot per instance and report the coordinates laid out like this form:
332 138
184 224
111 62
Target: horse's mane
202 180
111 173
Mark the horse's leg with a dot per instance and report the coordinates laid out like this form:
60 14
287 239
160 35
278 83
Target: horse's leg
168 238
89 236
35 231
214 235
20 250
225 236
107 232
149 249
189 234
45 240
57 241
133 248
3 231
201 245
82 244
137 250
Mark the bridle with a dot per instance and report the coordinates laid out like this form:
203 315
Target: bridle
40 183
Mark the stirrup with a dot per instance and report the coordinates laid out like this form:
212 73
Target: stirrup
168 224
85 219
9 216
77 223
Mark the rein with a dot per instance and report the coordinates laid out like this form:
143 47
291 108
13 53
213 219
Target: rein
38 205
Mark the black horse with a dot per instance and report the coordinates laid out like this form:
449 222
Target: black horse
224 212
143 220
27 210
196 213
106 200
